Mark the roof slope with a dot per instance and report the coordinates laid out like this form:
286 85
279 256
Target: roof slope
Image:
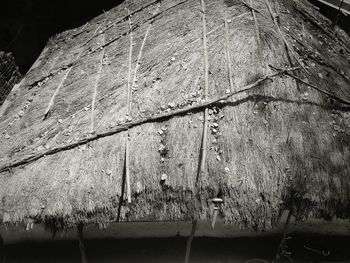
280 145
9 74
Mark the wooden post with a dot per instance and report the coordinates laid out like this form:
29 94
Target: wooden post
81 244
189 241
2 250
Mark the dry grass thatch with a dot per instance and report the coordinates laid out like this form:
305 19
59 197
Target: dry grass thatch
9 75
281 145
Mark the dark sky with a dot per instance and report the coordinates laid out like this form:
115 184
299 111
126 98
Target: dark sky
26 25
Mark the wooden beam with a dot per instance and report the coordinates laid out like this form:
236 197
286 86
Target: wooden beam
155 118
81 244
2 250
189 241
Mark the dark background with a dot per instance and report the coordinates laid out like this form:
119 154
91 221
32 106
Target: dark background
26 25
172 250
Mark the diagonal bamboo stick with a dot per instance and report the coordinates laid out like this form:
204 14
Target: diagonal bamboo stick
341 100
52 100
256 27
155 118
94 96
288 46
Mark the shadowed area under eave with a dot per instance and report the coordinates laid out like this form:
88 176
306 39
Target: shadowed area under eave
282 146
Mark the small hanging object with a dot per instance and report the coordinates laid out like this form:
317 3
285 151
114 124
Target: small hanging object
30 224
217 202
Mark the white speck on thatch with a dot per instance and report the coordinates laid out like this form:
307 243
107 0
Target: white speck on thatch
164 177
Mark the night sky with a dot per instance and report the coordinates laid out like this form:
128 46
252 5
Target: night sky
26 25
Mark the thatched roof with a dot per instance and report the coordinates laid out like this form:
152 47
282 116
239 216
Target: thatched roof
283 144
9 74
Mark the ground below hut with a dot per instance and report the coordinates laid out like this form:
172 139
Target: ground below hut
173 250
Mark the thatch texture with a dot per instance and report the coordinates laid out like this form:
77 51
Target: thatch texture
281 146
9 75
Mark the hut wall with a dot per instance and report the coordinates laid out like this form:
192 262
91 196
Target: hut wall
9 75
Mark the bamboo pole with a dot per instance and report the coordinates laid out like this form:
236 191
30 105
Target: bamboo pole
81 244
2 250
324 92
128 98
189 241
286 43
206 95
228 55
155 118
256 28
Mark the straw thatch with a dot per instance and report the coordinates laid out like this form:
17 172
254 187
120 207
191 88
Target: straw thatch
9 75
280 145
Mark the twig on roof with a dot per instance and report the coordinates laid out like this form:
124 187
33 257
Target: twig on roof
93 36
94 95
274 19
52 100
156 118
250 7
141 51
314 21
49 107
343 101
151 19
99 48
228 55
322 60
256 27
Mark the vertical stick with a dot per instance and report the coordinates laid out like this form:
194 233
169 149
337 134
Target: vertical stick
94 95
81 244
52 100
2 250
288 47
189 241
256 27
206 95
228 55
128 97
141 51
228 63
283 240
